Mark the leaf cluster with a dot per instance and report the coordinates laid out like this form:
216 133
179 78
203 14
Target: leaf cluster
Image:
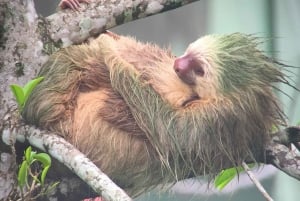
22 93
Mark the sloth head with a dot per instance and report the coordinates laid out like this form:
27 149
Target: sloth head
227 65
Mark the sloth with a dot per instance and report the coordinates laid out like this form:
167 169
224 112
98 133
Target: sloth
146 117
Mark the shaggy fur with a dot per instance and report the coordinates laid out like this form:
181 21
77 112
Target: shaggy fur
121 103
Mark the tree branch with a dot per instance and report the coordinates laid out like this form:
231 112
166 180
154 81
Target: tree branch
67 154
280 153
256 182
98 16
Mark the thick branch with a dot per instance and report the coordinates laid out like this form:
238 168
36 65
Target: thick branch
280 153
74 27
68 155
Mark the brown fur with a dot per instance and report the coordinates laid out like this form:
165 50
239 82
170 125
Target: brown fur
121 103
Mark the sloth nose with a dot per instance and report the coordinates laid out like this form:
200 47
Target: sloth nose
187 66
182 66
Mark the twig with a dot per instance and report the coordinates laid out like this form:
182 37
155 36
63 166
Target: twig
256 182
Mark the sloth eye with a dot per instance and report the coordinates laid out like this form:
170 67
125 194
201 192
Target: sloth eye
196 66
198 69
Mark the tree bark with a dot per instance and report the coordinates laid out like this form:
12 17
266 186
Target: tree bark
26 40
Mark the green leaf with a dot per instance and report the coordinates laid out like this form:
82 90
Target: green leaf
22 94
46 161
298 123
43 158
274 128
22 174
44 173
226 176
28 154
30 158
18 93
27 89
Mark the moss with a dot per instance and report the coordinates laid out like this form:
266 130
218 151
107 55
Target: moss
126 16
4 27
2 38
120 19
1 66
172 5
136 12
50 46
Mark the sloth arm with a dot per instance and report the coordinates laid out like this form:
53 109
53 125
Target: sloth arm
146 105
165 127
148 108
168 129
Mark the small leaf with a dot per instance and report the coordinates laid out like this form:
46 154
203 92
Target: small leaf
28 154
22 174
43 158
44 173
274 128
298 123
18 93
46 161
226 176
27 89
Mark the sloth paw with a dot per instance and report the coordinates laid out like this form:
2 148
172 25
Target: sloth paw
72 4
